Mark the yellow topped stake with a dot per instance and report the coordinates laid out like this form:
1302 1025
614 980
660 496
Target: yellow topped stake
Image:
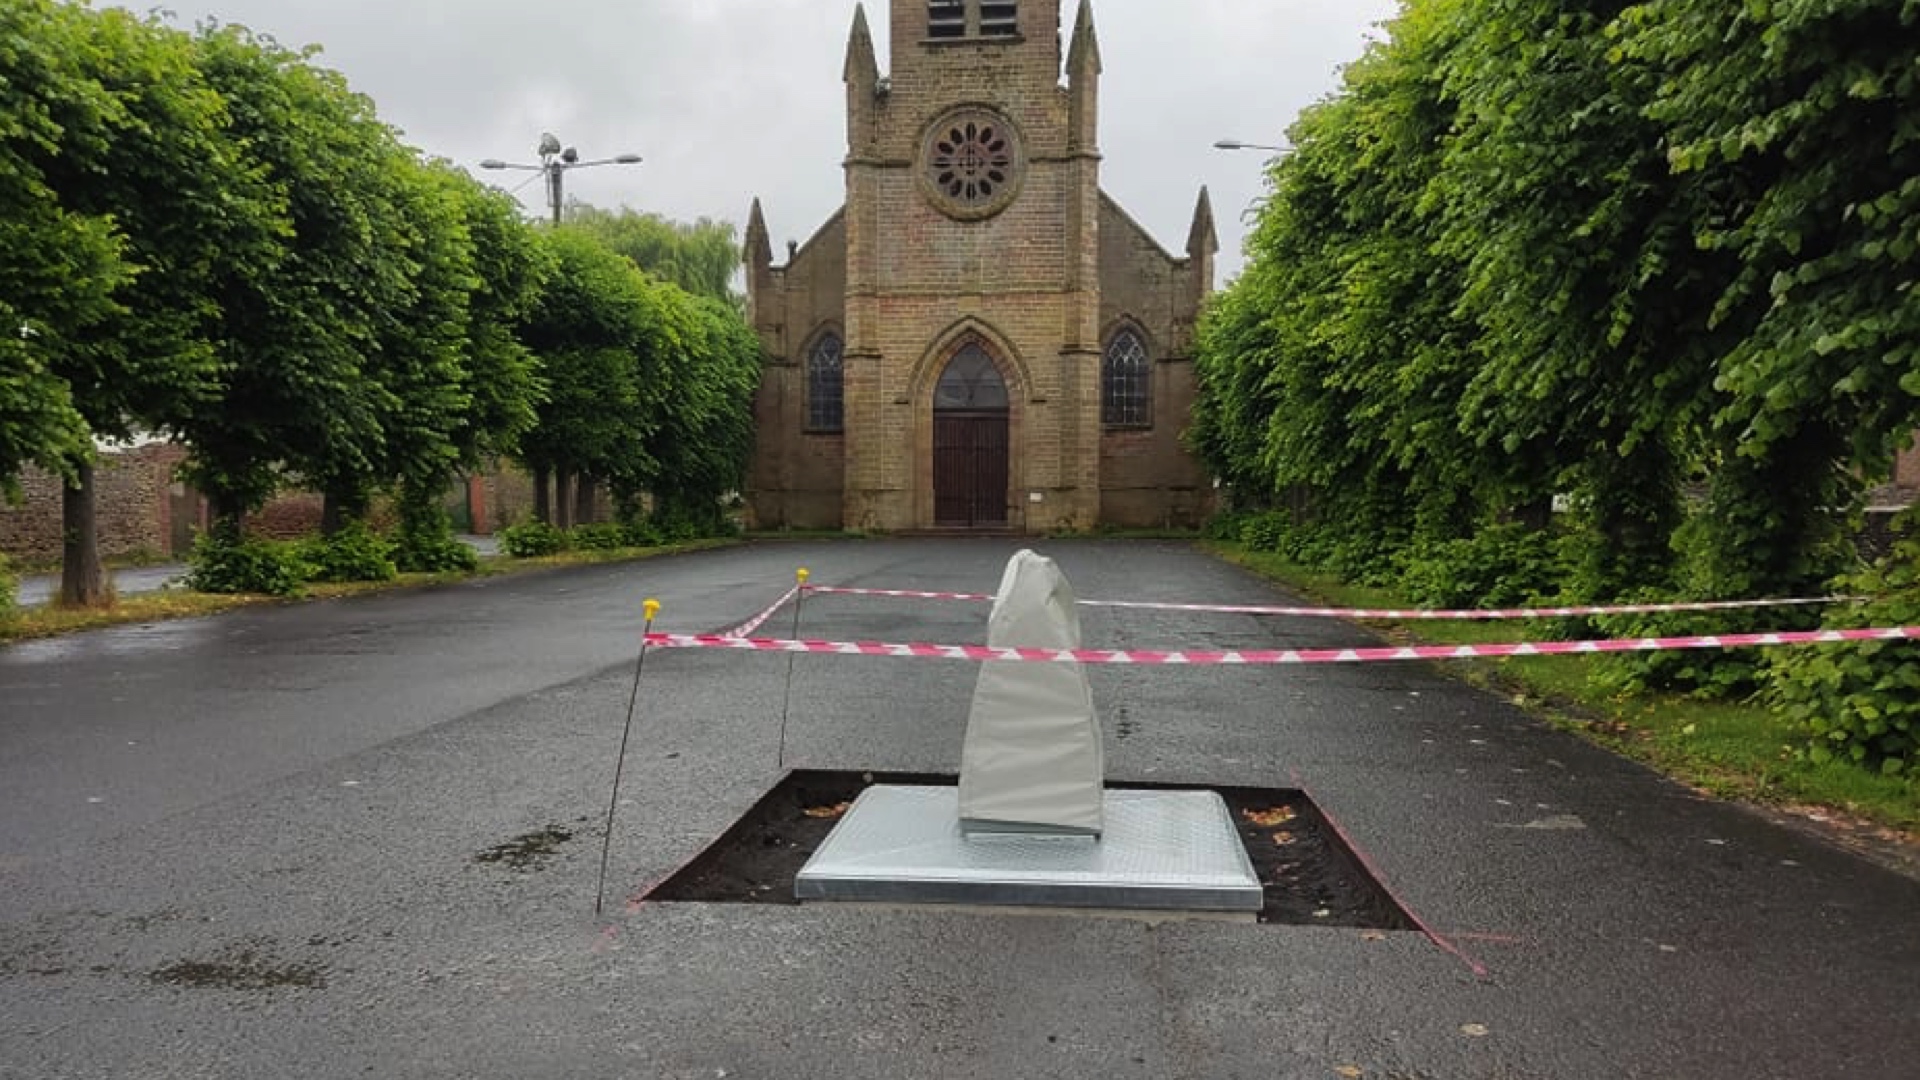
652 608
802 575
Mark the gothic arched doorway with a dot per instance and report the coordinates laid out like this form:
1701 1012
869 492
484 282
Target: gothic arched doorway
970 425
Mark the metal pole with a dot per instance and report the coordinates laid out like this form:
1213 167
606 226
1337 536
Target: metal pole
650 608
554 171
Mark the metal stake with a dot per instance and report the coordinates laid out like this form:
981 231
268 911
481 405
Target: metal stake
786 698
652 608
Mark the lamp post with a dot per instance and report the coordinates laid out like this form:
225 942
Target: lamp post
554 162
1236 144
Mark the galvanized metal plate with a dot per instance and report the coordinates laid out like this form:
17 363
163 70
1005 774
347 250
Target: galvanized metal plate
1162 850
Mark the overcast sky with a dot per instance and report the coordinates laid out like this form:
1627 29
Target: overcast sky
729 99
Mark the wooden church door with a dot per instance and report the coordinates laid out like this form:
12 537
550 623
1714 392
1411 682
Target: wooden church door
970 442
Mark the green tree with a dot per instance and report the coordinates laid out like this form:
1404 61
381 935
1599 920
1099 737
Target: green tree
179 198
1580 269
1802 117
700 257
589 330
59 267
301 316
705 441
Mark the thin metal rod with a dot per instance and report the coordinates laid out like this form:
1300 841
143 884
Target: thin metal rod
786 698
620 762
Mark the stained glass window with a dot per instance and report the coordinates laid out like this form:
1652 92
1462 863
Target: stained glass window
1125 382
970 382
826 406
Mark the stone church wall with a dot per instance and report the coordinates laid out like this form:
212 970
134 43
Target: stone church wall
797 475
1147 479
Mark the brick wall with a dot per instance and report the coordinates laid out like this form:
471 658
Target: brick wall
131 495
797 476
1147 477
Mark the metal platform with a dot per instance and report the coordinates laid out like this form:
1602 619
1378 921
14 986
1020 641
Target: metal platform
1163 851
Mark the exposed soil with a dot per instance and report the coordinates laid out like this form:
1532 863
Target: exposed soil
1307 874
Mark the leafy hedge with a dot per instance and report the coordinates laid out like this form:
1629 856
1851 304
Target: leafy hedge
1861 702
355 553
532 540
224 563
1703 351
1500 566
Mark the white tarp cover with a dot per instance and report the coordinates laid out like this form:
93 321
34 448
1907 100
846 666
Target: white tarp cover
1032 760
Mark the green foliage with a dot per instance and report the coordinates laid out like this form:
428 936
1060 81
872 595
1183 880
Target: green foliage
1533 249
9 588
705 440
1860 702
59 267
224 562
1226 525
651 388
1264 532
1499 566
425 543
355 553
532 539
641 534
700 257
599 537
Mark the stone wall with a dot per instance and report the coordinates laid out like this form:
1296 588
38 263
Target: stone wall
1147 477
144 512
797 476
132 503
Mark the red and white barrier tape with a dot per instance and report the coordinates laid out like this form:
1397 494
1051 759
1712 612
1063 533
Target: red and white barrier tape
747 628
900 594
1373 613
1277 656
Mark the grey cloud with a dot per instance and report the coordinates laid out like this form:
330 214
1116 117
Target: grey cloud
728 99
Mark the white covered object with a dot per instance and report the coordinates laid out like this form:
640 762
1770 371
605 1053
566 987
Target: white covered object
1032 760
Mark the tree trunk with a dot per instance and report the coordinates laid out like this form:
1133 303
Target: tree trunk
228 516
333 516
583 500
562 506
542 509
83 583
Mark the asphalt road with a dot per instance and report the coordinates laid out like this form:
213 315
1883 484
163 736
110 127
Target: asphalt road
245 847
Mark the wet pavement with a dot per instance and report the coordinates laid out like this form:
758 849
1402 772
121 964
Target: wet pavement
270 843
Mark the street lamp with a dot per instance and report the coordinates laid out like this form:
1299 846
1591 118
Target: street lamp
1236 144
555 162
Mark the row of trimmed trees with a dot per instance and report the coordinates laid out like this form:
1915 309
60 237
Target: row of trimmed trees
1658 258
207 235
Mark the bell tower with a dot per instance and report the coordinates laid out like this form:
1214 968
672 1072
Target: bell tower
973 212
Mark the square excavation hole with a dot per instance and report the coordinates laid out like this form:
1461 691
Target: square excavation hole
1308 875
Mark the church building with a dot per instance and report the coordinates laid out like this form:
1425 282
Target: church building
980 339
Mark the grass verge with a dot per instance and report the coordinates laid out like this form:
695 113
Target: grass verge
52 620
1735 750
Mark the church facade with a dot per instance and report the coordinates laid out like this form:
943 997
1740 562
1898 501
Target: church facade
980 339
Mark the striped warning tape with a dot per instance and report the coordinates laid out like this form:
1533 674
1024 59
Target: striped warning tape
747 628
925 651
1372 613
899 594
